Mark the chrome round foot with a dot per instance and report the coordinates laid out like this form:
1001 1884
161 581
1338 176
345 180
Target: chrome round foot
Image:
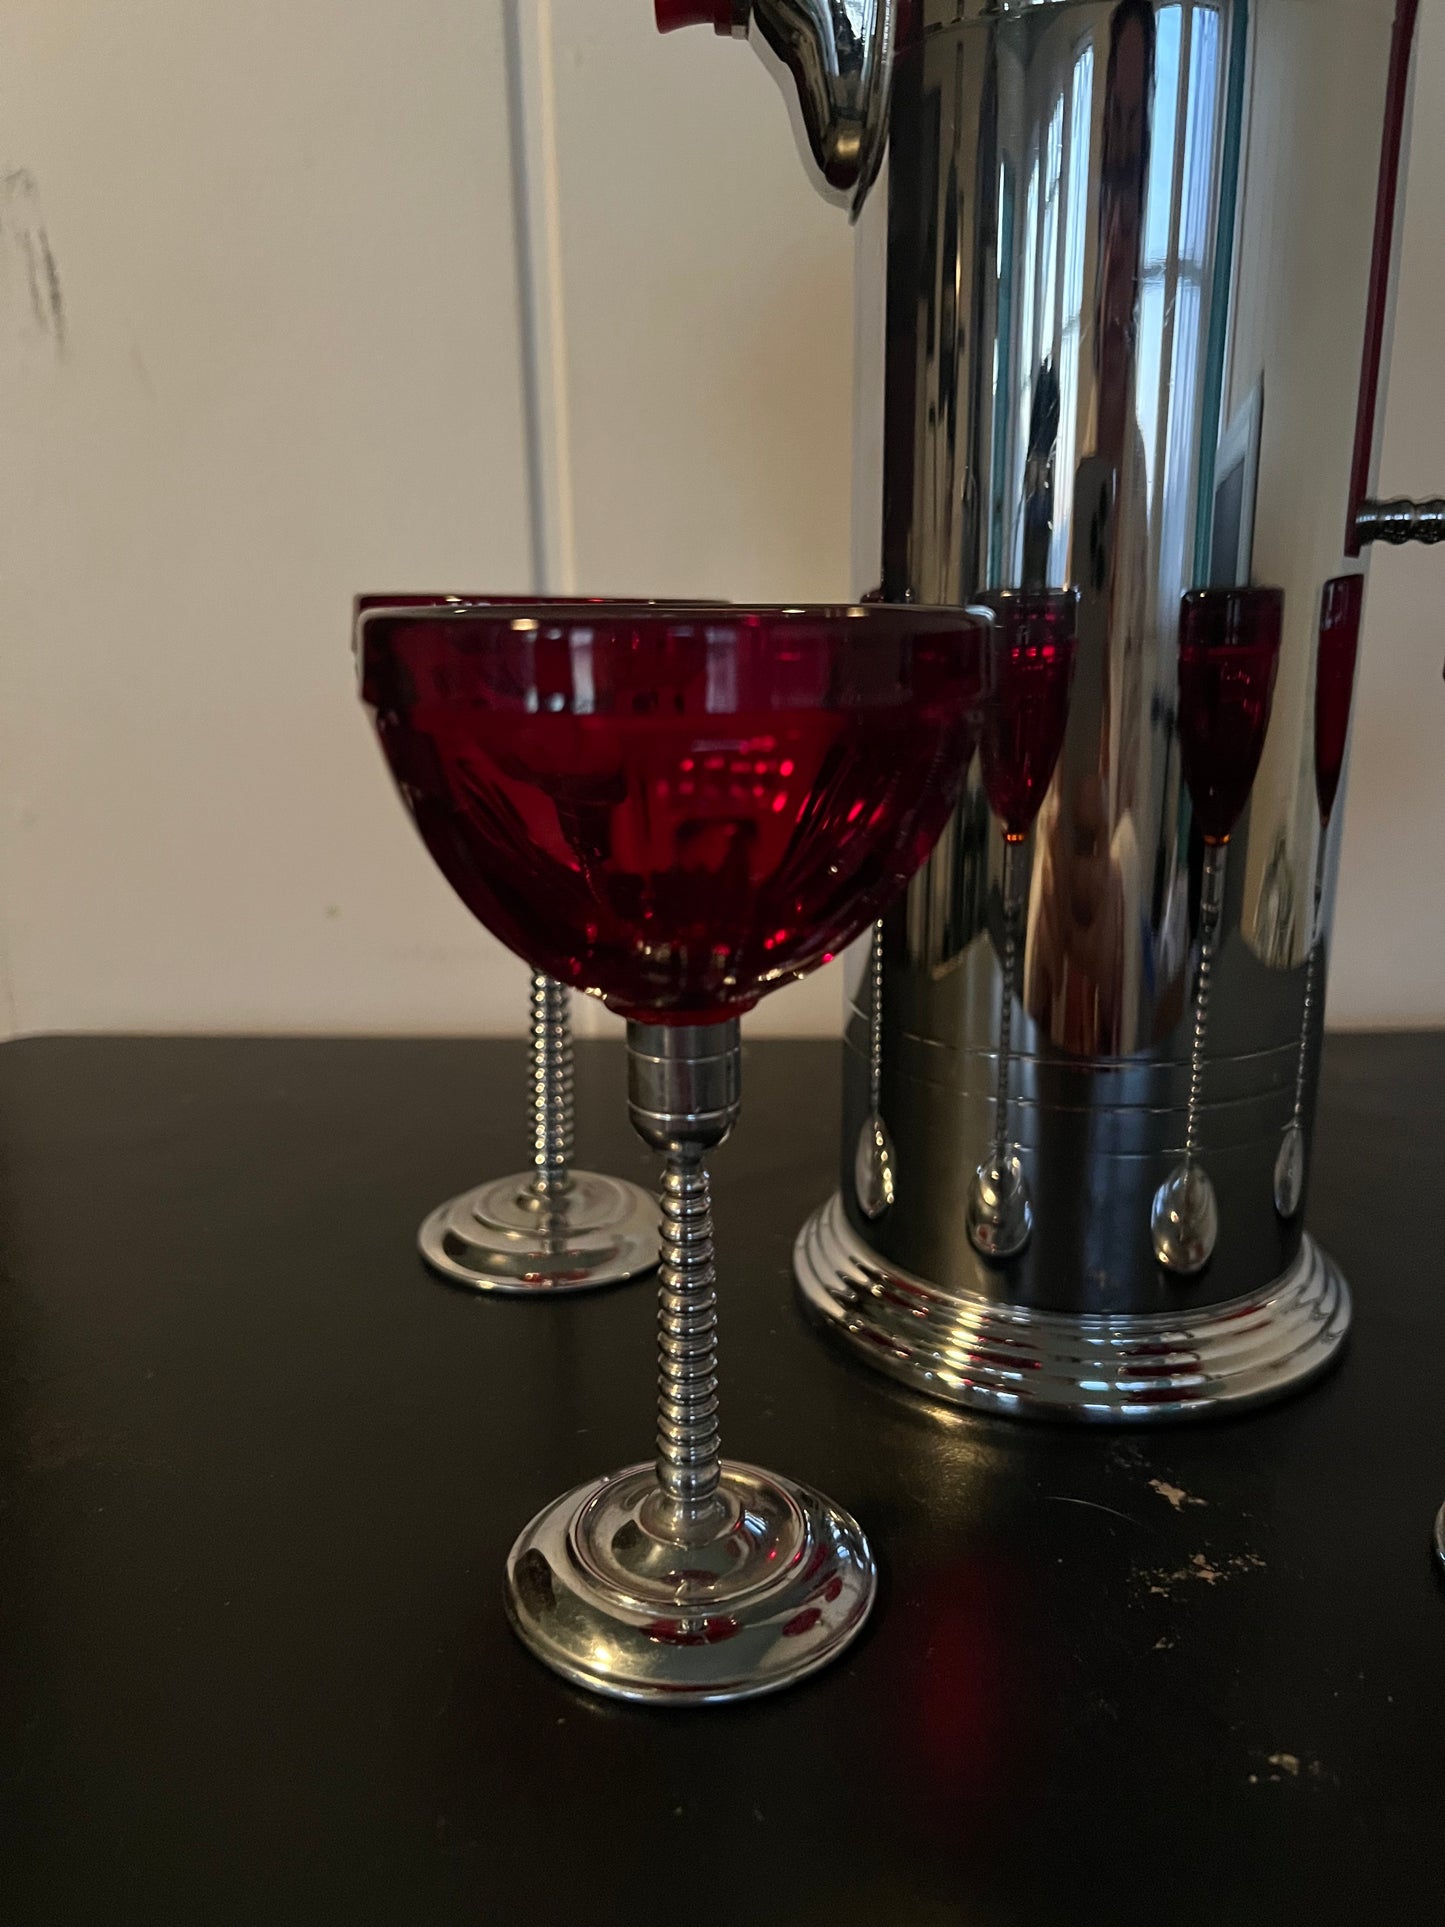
1000 1210
1185 1220
1440 1538
507 1236
1289 1171
771 1585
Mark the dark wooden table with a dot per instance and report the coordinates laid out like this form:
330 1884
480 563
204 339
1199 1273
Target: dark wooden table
258 1475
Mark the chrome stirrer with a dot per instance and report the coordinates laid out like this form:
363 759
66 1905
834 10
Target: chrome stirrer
1023 735
1341 611
874 1162
1289 1166
1229 644
1000 1209
1185 1220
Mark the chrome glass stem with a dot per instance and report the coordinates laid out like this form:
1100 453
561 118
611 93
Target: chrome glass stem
689 1450
684 1093
692 1578
550 1228
553 1088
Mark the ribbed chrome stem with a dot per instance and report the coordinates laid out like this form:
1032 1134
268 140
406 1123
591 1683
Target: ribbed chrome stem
552 1088
1211 902
1006 1014
683 1092
689 1453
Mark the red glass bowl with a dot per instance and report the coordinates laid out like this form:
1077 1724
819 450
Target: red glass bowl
676 808
1229 643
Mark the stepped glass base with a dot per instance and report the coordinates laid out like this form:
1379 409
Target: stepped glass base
780 1584
502 1237
963 1349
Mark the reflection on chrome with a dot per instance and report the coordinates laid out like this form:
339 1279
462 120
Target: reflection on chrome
1022 735
1094 357
1341 613
1228 660
1119 314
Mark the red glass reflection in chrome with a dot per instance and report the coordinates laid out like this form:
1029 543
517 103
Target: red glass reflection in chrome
1342 606
1024 729
1229 642
675 808
1023 733
1341 610
1228 659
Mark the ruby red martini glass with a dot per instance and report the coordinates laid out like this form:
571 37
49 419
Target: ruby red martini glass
1229 642
1341 609
676 810
1023 733
553 1229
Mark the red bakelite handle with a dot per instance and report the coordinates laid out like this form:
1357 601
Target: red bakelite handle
717 14
1382 277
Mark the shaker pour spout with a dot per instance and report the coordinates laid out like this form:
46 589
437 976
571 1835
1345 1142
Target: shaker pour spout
834 59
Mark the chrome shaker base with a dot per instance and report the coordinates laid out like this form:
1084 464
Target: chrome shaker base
504 1237
774 1592
963 1349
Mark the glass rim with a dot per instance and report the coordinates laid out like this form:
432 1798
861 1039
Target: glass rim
582 612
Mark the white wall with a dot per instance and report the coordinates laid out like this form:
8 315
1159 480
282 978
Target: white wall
292 367
285 242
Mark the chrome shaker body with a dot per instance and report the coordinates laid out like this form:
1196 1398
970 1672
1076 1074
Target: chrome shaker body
1122 314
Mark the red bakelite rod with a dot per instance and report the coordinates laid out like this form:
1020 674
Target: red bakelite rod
717 14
